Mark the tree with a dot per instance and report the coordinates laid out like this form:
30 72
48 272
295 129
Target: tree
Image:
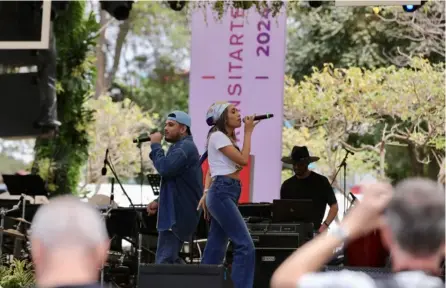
409 102
330 152
356 37
59 159
115 125
165 89
151 26
424 29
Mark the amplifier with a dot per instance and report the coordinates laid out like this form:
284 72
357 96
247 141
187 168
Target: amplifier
280 236
274 243
197 276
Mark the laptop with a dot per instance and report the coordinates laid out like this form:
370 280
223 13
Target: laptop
292 211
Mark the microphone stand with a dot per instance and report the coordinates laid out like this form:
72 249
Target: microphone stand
344 165
141 169
140 219
105 216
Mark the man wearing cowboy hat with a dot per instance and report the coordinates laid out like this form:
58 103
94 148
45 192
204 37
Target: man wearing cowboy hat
306 184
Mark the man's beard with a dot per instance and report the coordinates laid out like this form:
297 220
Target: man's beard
171 139
300 172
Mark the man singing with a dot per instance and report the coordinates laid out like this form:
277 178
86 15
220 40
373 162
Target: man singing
181 187
306 184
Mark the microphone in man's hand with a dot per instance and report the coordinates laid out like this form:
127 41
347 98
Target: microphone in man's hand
141 139
144 137
262 117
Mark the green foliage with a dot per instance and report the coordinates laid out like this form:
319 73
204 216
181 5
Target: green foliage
408 102
154 80
115 125
325 146
165 89
75 79
356 37
220 7
163 29
19 274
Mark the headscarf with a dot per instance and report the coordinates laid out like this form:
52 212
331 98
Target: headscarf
215 111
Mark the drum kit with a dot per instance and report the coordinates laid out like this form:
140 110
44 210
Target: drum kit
14 241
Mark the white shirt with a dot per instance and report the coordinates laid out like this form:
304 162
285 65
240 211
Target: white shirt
219 164
353 279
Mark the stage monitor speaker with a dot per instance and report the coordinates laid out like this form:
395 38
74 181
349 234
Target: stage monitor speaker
267 261
196 276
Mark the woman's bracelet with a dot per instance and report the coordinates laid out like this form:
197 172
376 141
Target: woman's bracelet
206 191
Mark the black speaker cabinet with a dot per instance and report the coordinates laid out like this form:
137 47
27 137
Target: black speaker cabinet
187 275
267 261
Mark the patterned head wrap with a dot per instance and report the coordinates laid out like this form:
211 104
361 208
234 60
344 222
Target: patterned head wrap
215 111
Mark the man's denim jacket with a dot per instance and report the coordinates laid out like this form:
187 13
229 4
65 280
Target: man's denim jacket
181 187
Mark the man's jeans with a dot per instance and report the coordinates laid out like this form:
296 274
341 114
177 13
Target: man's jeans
227 222
169 247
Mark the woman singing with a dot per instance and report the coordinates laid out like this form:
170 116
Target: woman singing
222 192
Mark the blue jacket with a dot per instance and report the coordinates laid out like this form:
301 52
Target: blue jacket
181 187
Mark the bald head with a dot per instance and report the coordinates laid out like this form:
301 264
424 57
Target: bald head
69 242
67 222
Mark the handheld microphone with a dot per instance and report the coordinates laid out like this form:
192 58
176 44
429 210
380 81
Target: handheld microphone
141 139
104 169
262 117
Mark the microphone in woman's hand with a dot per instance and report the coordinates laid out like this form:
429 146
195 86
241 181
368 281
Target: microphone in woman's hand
262 117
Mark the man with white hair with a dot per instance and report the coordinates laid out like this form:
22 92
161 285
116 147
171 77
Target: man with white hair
411 218
69 243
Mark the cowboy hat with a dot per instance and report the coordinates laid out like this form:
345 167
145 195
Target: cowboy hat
299 154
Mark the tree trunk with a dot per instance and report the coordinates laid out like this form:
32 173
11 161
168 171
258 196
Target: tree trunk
417 167
100 57
124 29
382 161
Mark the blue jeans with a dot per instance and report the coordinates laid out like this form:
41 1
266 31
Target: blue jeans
227 223
169 247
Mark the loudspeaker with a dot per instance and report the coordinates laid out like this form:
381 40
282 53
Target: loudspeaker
197 276
267 261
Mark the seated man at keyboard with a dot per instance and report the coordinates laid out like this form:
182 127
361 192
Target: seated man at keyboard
306 184
411 219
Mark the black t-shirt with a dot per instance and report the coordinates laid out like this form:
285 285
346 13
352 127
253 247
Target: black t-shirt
316 188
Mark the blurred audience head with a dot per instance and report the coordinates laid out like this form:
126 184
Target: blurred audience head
69 242
415 225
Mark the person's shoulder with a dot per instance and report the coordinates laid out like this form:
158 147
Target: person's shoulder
335 279
188 144
217 134
289 180
319 176
219 137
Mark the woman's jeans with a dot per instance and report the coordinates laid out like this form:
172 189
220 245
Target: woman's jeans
227 223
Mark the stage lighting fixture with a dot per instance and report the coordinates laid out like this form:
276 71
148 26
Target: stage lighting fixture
177 5
118 9
315 4
413 8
